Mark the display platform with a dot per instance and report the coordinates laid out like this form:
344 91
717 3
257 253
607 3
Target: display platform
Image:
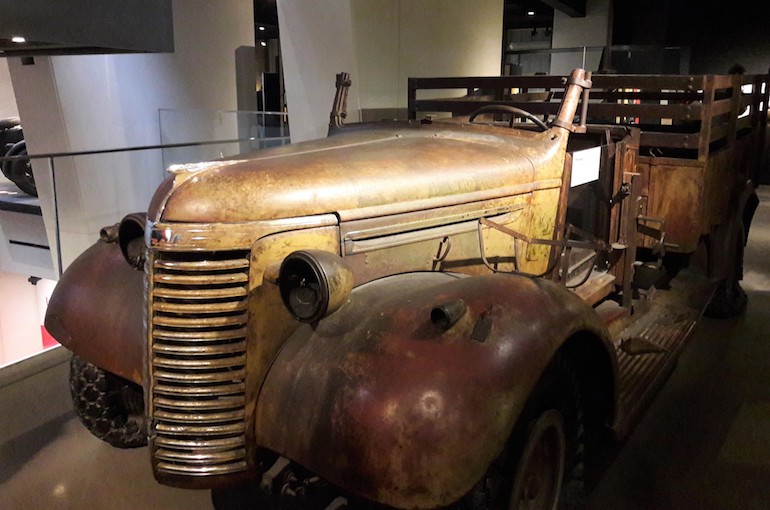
15 200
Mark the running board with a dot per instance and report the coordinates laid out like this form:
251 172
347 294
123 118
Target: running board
647 350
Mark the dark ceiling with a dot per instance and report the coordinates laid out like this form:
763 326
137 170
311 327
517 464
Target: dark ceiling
53 27
538 13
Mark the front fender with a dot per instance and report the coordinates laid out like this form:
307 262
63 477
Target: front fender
96 311
381 402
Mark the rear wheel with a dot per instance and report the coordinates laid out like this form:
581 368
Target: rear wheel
109 406
729 298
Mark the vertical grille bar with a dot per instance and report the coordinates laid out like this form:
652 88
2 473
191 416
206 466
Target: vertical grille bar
198 316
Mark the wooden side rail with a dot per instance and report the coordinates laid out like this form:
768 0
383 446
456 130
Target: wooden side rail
694 113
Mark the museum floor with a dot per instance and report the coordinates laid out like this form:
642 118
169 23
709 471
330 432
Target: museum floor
704 444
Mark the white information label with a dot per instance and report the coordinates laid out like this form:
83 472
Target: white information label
585 166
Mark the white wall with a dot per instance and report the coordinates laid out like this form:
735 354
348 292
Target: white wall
398 39
74 103
380 43
21 318
22 246
590 30
7 100
316 44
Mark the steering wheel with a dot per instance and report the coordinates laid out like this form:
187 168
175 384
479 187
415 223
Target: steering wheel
515 112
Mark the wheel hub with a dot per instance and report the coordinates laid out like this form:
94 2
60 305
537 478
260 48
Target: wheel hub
539 477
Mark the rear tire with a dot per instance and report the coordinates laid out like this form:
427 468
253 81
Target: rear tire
730 300
109 406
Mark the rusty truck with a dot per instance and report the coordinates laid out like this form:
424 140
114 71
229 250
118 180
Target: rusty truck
461 309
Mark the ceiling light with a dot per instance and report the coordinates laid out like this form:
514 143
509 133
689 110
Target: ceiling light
530 13
18 39
262 43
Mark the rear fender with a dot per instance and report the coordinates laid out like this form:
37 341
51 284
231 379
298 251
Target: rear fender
386 404
96 311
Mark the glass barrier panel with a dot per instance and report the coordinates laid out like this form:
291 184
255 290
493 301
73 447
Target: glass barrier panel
223 133
80 193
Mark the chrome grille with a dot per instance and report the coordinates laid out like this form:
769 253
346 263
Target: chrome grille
198 358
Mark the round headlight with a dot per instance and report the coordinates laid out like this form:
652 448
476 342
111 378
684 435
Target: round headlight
314 283
131 239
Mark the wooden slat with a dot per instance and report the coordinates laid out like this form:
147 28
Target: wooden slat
669 140
468 107
490 82
646 111
720 131
640 81
596 288
721 107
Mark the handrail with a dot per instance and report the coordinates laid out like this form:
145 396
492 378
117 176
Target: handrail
52 156
137 148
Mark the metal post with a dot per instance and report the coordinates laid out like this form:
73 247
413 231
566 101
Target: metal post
59 267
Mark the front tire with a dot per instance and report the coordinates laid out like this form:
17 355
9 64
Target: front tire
548 444
110 407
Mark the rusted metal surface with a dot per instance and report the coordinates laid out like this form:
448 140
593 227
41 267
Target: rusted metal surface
395 408
398 168
96 311
204 374
676 193
340 106
407 392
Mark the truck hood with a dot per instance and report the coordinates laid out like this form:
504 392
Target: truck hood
383 168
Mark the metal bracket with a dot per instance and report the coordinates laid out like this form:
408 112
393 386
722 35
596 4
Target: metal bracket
567 244
271 477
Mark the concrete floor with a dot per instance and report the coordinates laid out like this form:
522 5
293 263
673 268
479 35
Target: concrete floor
704 443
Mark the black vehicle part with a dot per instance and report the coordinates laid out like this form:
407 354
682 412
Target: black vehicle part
543 464
730 300
19 171
8 123
510 110
109 406
243 497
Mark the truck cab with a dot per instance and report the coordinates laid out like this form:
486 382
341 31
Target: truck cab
411 314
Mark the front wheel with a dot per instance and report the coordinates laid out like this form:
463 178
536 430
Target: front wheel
547 444
540 475
109 406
